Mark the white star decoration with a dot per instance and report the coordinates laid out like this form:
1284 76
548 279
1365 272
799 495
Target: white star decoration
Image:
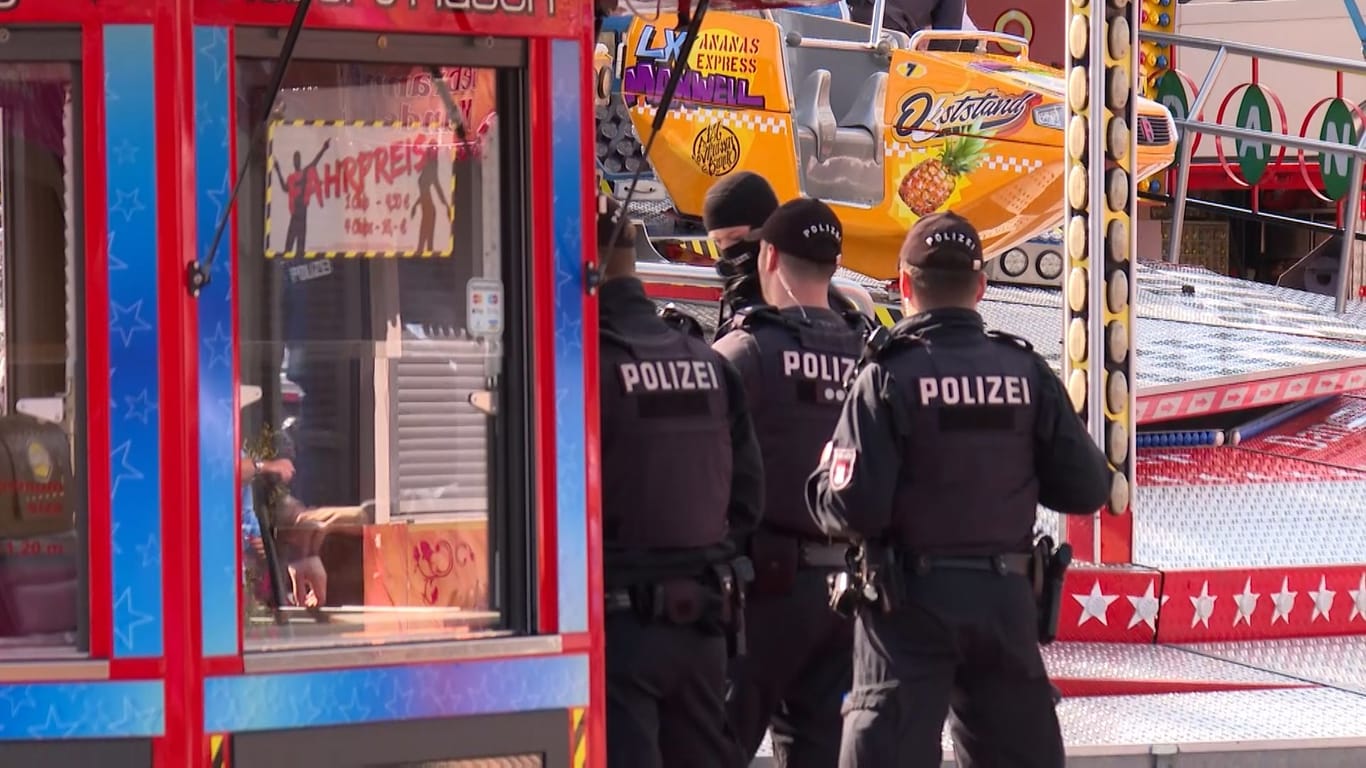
1284 601
1204 606
1145 606
1247 604
1323 600
1358 600
1095 605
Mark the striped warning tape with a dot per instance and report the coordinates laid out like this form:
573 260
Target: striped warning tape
218 750
393 254
578 743
886 315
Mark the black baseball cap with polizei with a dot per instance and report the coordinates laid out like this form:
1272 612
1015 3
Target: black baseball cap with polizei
804 228
943 241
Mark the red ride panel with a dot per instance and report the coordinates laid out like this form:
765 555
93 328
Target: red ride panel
1230 466
1334 434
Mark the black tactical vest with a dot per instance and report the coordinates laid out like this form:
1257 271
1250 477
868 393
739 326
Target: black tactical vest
666 461
968 403
803 368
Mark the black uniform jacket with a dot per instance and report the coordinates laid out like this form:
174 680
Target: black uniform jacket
1006 440
624 309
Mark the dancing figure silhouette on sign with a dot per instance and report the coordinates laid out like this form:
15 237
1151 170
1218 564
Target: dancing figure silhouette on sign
427 182
300 186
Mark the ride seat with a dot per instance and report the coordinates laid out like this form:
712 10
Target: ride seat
860 131
815 120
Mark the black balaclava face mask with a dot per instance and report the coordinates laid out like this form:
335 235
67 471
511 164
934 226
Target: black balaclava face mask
741 199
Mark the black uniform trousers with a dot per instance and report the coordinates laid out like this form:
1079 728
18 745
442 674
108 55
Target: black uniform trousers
666 688
959 641
796 671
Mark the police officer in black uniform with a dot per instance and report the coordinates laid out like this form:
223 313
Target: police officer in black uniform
793 354
734 210
950 437
682 489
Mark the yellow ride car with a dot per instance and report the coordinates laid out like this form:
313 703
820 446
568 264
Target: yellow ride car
884 133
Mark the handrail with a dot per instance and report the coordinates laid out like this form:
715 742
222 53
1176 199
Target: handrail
986 36
1356 153
1250 135
1256 51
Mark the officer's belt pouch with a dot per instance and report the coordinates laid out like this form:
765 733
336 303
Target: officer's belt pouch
683 601
775 559
35 472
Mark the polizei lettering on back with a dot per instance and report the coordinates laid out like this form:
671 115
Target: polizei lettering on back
974 390
817 366
668 376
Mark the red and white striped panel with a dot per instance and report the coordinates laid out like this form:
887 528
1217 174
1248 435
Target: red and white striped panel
1271 388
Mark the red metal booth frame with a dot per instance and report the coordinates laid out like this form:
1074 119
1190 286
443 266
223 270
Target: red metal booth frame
182 664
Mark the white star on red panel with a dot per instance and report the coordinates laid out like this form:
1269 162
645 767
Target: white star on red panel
1323 600
1146 607
1284 602
1204 606
1358 600
1094 605
1247 604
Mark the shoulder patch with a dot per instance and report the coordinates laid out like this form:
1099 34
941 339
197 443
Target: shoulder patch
842 462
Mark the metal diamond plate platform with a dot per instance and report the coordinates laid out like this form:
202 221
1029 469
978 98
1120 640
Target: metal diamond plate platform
1228 507
1282 728
1223 330
1335 662
1152 664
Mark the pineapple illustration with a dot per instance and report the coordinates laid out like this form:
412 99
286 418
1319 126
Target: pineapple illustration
929 185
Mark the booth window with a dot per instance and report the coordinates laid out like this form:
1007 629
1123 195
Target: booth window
42 511
382 288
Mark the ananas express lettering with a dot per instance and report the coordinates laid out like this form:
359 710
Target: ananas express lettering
924 115
722 65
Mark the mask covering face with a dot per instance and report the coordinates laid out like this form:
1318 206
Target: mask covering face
739 265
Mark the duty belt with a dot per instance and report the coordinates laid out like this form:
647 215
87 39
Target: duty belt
822 555
1016 564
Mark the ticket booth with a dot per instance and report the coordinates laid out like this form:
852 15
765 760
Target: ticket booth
293 405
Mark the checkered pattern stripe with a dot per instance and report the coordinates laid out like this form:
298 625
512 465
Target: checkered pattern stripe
1012 163
760 122
901 149
1021 165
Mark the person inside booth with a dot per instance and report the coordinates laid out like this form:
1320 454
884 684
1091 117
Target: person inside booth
385 341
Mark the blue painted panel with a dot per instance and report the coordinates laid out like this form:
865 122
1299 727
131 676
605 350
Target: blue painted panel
135 476
218 492
377 694
567 163
81 710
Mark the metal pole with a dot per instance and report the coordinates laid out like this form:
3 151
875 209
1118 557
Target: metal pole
1095 234
1349 228
875 29
1183 166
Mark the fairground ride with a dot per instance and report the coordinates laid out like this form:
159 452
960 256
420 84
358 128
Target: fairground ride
1219 615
